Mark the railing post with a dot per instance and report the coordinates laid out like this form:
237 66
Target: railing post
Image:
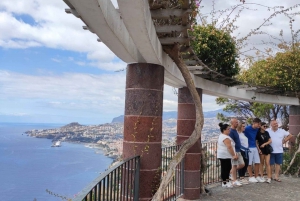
137 180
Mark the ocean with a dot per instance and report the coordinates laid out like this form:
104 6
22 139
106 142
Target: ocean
29 167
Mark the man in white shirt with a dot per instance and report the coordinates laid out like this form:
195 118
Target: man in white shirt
279 137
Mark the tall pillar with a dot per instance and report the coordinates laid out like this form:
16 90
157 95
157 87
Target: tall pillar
185 126
143 122
294 120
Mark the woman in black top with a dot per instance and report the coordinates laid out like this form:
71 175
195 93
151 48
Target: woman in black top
263 141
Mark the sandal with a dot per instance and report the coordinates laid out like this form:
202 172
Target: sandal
278 180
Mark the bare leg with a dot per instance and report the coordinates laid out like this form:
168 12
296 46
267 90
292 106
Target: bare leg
233 172
261 165
250 170
268 167
272 170
277 169
240 166
256 169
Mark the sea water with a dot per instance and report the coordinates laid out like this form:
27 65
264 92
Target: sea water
29 167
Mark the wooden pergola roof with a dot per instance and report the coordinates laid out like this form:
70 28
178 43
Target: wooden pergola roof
172 20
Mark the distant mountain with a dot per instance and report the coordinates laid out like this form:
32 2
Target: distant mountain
119 119
73 124
211 114
173 115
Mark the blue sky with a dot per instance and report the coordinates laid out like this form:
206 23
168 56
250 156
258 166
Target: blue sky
53 71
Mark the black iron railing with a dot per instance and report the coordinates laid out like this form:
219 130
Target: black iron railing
120 182
212 171
175 187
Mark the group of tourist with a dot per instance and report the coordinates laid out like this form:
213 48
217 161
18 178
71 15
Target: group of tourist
240 147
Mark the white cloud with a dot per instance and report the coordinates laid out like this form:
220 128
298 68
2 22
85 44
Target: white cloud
53 28
252 17
56 60
72 91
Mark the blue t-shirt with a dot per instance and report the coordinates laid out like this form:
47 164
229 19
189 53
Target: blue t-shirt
235 136
251 133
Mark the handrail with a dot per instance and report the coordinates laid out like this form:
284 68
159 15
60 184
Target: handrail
175 188
114 183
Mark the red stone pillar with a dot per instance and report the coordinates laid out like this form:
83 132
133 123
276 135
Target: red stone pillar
185 126
143 122
294 120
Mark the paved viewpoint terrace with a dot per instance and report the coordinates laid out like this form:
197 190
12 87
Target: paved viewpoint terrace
288 189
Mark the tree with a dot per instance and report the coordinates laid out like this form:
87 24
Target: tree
215 48
247 110
281 71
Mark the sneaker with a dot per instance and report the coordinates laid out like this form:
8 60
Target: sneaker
252 180
261 180
237 183
269 180
227 185
244 181
230 177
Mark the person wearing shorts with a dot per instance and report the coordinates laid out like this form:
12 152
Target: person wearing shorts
250 133
279 137
236 164
263 140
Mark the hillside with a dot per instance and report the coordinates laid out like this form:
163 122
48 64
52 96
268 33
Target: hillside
173 115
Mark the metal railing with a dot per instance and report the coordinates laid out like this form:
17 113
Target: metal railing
175 188
120 182
212 172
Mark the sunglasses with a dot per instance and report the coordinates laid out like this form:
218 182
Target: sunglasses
265 126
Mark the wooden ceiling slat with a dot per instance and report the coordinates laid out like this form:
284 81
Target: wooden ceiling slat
170 28
195 67
166 13
187 56
191 62
199 72
172 40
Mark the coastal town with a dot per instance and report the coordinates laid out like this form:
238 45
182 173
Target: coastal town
109 137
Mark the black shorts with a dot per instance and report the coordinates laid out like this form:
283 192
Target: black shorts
265 150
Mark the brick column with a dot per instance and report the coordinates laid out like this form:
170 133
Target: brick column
143 122
294 120
185 126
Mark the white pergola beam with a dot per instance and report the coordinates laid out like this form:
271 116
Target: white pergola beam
102 18
133 38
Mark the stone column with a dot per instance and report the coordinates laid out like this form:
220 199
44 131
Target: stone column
185 126
143 122
294 120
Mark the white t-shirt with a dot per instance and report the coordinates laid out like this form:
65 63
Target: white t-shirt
277 138
244 141
222 151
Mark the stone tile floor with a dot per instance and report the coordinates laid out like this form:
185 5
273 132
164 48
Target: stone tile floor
288 189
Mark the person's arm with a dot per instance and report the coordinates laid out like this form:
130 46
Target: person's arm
257 145
227 142
268 142
246 132
287 138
